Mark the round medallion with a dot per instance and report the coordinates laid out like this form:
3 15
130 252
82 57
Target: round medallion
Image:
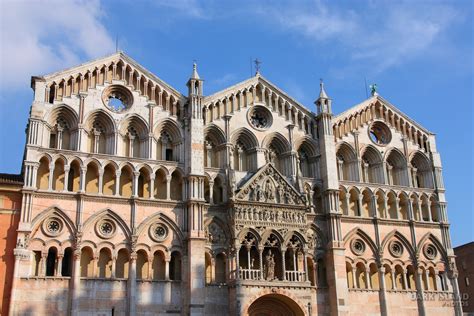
358 247
105 228
430 252
396 249
52 226
259 117
158 232
379 133
117 98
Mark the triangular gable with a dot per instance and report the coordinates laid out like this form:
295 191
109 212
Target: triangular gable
65 74
268 185
251 82
376 107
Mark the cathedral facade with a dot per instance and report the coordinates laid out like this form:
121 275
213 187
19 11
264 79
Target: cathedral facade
139 200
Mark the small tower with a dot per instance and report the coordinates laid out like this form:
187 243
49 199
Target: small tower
195 93
195 204
323 103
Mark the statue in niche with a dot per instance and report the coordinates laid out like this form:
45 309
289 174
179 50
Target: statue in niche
259 194
270 191
270 263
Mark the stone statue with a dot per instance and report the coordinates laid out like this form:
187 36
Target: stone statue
270 263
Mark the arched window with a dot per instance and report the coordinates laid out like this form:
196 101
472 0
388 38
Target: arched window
126 181
175 266
42 178
92 178
58 175
218 191
350 276
397 169
372 167
51 261
66 267
176 186
208 263
347 163
374 276
160 185
361 276
121 264
142 265
422 175
105 263
158 266
101 132
74 177
87 263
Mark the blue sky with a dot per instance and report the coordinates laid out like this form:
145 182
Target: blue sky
420 54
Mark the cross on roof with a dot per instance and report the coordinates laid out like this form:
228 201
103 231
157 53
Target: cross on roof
257 65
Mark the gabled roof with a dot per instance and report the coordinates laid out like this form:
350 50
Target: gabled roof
258 78
372 100
256 188
115 57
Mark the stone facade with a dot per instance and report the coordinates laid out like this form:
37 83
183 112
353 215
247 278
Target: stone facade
464 258
140 200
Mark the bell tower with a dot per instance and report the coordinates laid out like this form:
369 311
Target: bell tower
335 254
195 206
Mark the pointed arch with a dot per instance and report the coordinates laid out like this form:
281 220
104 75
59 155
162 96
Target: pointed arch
364 236
436 242
159 216
108 213
245 137
50 211
395 234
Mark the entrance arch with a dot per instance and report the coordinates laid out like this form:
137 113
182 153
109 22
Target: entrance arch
274 305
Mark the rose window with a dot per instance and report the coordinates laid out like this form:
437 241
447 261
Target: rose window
380 134
53 226
105 228
396 249
117 98
430 252
358 247
159 232
259 117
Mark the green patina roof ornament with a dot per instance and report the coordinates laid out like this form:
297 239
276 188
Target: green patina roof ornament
373 89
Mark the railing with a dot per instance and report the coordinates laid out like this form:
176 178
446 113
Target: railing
295 276
250 274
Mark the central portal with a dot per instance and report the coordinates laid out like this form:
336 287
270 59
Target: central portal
275 305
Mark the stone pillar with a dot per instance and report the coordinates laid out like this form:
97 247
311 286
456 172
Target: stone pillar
82 181
152 186
59 265
101 180
136 174
211 192
117 182
75 283
367 279
66 178
168 187
283 267
50 179
419 292
260 260
132 284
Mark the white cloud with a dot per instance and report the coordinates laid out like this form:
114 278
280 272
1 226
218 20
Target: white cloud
381 34
38 37
224 80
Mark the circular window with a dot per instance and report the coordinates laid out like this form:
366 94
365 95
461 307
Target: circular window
117 98
358 247
396 249
259 117
53 226
158 232
380 134
430 252
105 228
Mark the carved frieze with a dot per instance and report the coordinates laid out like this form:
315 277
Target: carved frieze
269 186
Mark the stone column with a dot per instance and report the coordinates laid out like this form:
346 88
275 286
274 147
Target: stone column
66 178
82 181
211 192
132 284
152 186
136 174
59 265
168 187
283 268
117 182
75 283
367 279
419 292
50 179
101 180
260 258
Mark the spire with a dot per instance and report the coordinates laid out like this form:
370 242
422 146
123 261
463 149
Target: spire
323 103
322 92
195 74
